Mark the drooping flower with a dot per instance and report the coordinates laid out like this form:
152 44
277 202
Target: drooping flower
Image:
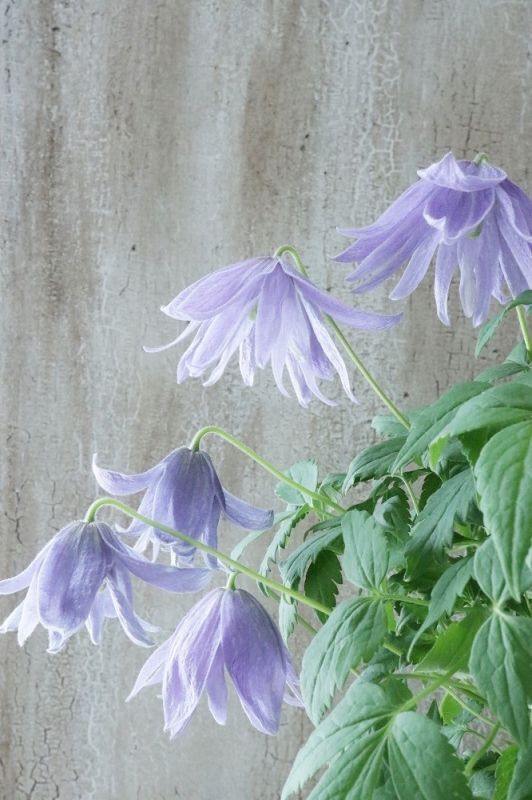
271 314
184 492
227 630
471 216
83 575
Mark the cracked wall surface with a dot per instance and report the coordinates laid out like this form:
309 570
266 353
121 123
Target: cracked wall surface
143 144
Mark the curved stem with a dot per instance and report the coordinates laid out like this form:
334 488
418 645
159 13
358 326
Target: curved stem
521 316
235 565
264 463
399 598
366 374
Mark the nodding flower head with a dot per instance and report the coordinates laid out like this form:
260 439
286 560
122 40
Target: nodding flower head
226 631
82 576
269 313
467 214
183 492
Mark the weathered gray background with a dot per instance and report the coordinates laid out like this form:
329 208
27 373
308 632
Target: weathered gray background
143 144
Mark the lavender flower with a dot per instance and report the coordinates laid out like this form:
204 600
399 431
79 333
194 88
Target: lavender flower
227 630
82 576
183 491
472 216
271 314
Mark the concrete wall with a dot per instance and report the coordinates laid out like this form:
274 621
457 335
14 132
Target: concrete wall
143 144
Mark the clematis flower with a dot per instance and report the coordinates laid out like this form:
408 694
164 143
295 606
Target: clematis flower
183 491
228 630
271 314
82 576
471 216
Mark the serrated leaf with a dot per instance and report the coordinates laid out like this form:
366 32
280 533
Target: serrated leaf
303 472
521 785
447 589
286 521
353 632
503 475
494 409
482 784
322 580
294 567
432 419
433 530
500 665
488 330
374 462
287 618
387 426
352 739
422 764
504 772
365 550
452 649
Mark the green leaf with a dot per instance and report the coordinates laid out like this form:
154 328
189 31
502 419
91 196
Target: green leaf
421 761
432 419
365 550
488 330
322 580
495 408
503 475
387 426
447 589
488 572
294 567
449 709
504 771
303 472
521 785
351 739
374 462
500 371
287 617
452 648
433 530
500 665
286 521
482 784
352 633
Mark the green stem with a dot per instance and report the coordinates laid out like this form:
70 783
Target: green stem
521 316
409 601
428 690
480 158
379 391
454 694
205 548
475 758
266 465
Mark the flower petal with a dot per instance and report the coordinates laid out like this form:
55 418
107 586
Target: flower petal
254 658
119 589
101 609
194 647
70 576
153 669
12 622
172 579
23 579
217 689
118 483
417 268
29 618
464 176
446 263
245 515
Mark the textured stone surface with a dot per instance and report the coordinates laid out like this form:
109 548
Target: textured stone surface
144 143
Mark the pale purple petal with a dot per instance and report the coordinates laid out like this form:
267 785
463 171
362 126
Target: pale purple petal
416 269
101 609
23 579
275 292
29 618
194 647
254 658
189 330
130 622
153 669
217 689
117 483
70 576
12 622
464 176
245 515
172 579
517 207
446 264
